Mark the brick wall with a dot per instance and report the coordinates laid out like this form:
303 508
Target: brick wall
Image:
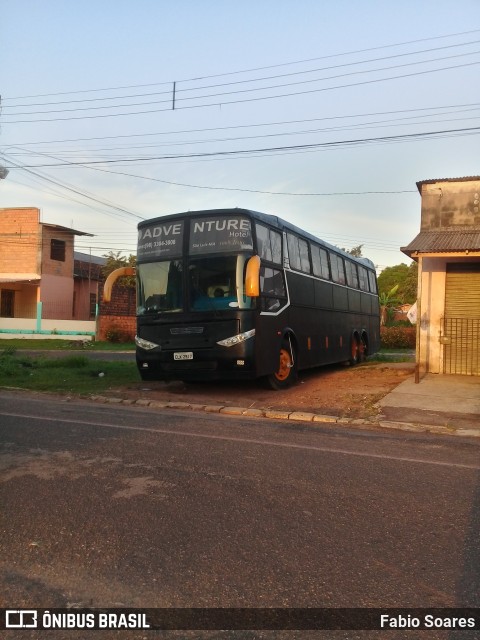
125 327
118 317
63 268
20 240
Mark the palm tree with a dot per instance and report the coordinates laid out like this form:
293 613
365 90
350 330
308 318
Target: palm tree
387 300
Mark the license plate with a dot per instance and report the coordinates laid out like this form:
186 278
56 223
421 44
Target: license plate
183 355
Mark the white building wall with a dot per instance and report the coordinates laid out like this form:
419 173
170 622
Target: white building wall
432 287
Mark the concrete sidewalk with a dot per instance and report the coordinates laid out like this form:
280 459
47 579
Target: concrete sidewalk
443 401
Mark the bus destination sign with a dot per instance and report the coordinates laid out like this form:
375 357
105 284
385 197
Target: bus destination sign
160 240
231 233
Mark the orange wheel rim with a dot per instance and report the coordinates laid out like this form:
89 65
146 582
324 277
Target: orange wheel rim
355 349
284 366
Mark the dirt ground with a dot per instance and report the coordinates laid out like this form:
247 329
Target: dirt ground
338 390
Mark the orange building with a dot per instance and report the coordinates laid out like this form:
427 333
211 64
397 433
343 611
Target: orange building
39 277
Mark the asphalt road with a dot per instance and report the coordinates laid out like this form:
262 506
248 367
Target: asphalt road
131 507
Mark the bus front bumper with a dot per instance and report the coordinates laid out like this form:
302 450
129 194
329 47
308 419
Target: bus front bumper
201 364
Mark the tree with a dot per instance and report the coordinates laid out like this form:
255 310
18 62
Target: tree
410 285
115 261
405 277
356 252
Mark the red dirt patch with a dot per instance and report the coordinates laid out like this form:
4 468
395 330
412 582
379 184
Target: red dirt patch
350 392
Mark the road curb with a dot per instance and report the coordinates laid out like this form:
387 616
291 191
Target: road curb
294 416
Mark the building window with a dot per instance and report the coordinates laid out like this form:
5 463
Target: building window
57 250
93 305
7 303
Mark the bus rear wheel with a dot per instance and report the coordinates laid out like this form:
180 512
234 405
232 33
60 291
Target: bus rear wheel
286 374
363 348
355 351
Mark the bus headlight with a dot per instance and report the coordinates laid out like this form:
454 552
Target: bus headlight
241 337
145 344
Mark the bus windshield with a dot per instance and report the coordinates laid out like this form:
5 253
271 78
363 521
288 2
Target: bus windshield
218 283
160 287
213 283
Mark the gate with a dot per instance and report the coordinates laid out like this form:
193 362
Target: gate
461 339
461 325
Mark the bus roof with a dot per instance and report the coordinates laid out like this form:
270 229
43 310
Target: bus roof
268 218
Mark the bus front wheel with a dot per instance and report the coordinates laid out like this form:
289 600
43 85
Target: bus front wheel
146 375
286 374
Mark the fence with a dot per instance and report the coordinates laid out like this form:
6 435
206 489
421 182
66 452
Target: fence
461 339
51 322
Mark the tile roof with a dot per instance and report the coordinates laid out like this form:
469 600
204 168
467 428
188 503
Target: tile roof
445 241
19 277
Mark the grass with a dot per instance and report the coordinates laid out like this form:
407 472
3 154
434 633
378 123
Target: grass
63 345
79 375
393 355
75 374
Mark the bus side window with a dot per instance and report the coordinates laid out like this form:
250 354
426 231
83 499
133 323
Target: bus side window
263 243
338 271
276 242
269 244
304 257
293 252
272 288
372 281
351 271
320 262
298 253
363 278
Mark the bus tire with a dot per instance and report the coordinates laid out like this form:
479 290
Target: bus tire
355 350
363 347
146 375
286 374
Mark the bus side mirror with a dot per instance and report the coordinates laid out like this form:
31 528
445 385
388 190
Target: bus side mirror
252 277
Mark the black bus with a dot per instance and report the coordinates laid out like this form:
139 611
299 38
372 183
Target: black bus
238 294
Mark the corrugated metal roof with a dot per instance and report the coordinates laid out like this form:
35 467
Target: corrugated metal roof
435 180
67 229
445 241
86 257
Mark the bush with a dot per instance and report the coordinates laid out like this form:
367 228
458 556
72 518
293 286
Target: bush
398 337
115 334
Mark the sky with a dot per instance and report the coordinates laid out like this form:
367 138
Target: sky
326 114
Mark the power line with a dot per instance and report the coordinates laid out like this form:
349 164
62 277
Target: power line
317 145
77 191
262 68
347 127
252 80
240 101
180 184
467 106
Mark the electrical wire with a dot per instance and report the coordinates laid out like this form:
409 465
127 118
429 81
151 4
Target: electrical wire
474 105
230 102
179 90
262 68
226 153
77 191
